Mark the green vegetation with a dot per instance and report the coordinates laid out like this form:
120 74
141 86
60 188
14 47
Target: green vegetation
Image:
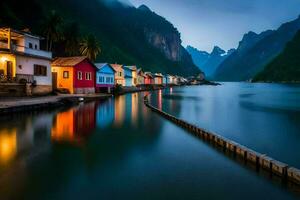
285 67
90 47
52 29
120 30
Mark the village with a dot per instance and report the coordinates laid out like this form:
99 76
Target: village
27 70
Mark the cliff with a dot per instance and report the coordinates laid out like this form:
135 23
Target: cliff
129 35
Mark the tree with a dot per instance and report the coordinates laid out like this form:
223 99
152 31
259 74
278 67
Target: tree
53 26
90 47
72 35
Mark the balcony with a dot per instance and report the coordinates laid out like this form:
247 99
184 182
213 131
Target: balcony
26 50
19 78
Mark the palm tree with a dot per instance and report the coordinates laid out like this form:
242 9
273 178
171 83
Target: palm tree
72 35
90 47
53 29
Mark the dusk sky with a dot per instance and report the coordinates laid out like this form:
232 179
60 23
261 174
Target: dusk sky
205 23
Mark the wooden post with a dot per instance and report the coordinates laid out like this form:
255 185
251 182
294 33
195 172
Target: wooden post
9 39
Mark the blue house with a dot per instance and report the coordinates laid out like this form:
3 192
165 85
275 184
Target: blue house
165 80
128 76
105 77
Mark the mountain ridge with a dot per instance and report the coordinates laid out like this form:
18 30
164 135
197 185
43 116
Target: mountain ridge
127 34
285 67
245 63
208 62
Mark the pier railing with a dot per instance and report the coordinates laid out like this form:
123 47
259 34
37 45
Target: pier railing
263 161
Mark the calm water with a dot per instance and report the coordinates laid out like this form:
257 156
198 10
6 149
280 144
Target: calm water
119 149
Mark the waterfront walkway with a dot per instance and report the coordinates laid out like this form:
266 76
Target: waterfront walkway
13 103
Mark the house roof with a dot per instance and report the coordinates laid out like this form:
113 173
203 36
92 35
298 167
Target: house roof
148 74
140 72
117 67
15 33
68 61
132 68
158 75
101 65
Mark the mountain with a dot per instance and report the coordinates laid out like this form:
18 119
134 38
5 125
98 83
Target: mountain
129 35
208 62
199 57
285 67
255 51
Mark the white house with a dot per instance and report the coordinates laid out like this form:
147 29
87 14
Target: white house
23 61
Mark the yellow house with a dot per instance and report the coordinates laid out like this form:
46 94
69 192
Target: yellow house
134 75
119 75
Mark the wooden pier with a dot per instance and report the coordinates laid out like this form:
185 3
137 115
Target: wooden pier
282 170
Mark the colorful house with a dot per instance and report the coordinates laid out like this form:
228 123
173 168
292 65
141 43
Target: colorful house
158 79
23 61
105 77
165 80
169 79
149 78
140 77
119 74
128 76
134 74
74 74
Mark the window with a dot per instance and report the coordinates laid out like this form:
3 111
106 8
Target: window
20 66
101 79
120 73
88 76
79 75
35 46
30 45
40 70
66 74
107 79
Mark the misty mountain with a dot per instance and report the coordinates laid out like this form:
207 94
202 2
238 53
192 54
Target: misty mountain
129 35
208 62
255 51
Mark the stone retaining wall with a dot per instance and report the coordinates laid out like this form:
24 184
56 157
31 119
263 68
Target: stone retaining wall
273 166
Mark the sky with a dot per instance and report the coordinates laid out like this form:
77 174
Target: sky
206 23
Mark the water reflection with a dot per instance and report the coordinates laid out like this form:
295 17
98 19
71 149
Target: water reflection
28 135
119 110
125 146
8 144
159 99
75 124
105 113
134 109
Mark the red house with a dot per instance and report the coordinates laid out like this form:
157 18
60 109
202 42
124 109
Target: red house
149 78
74 74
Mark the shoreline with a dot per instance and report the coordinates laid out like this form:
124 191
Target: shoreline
12 105
16 105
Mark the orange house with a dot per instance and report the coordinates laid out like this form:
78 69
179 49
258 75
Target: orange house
74 74
119 74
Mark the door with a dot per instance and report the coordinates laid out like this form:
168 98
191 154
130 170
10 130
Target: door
54 80
9 69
